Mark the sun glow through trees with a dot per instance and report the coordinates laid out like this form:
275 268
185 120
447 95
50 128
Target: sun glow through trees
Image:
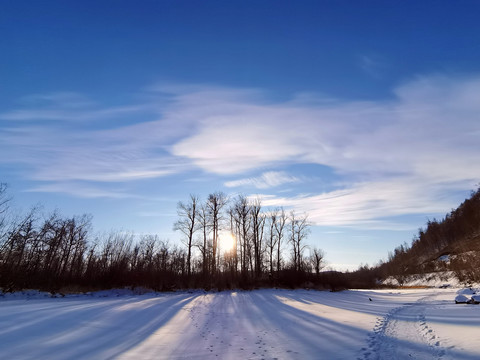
227 241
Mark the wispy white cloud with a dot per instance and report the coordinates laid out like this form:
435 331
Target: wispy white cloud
431 119
395 157
59 99
52 155
76 148
266 180
80 190
69 107
402 156
371 204
156 214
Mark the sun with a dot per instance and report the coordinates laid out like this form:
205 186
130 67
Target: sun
227 241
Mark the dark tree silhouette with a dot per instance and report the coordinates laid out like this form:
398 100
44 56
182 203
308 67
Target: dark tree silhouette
188 224
215 204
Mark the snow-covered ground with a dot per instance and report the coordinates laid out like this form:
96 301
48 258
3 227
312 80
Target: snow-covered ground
261 324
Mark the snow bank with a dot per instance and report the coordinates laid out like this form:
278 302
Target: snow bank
437 279
25 294
36 294
467 291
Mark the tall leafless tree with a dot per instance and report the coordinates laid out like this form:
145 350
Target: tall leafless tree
241 213
280 231
299 230
188 224
215 203
272 238
258 222
316 259
203 244
4 200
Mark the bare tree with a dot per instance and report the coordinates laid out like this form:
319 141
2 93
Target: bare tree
316 259
280 230
241 212
272 238
188 224
4 200
235 231
203 220
215 204
4 205
299 230
258 222
16 248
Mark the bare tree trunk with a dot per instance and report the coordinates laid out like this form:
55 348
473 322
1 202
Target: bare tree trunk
299 229
279 228
187 224
215 204
257 221
272 241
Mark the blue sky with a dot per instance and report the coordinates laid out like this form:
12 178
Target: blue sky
364 114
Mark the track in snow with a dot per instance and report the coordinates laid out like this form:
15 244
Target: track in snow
404 333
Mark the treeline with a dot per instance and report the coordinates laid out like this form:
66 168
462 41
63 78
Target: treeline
457 236
226 244
58 253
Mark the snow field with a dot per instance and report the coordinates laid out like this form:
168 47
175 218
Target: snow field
261 324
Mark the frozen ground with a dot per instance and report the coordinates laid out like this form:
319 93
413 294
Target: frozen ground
262 324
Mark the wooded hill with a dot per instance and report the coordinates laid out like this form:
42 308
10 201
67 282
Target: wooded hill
450 244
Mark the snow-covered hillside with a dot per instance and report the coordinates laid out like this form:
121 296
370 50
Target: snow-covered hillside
435 279
262 324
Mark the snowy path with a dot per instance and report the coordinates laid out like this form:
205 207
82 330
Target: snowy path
262 324
405 333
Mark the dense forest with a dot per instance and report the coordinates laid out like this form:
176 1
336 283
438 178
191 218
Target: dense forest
226 243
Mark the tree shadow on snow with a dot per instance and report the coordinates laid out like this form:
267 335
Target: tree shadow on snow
89 328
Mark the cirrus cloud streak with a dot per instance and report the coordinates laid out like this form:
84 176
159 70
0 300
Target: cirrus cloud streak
401 156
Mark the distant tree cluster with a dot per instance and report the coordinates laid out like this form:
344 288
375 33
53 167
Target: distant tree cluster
57 253
265 245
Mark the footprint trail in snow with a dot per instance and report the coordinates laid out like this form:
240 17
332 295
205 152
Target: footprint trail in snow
404 333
